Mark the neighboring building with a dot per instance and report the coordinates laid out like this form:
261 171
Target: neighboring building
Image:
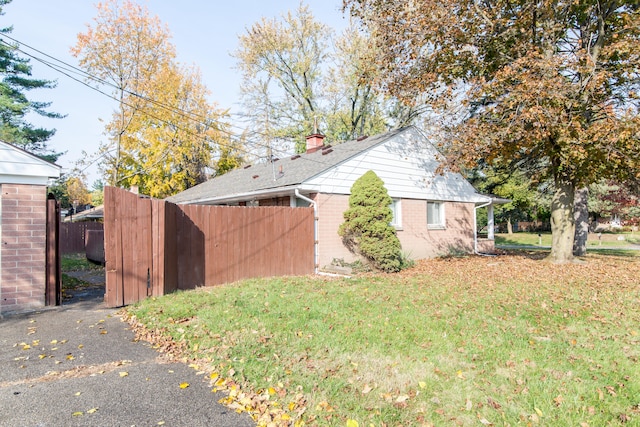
434 214
23 215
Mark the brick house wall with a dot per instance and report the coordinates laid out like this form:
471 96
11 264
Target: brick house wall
23 239
418 241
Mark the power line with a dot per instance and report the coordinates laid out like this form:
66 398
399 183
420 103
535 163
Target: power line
71 72
68 68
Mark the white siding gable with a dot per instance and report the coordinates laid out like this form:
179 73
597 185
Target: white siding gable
20 167
406 163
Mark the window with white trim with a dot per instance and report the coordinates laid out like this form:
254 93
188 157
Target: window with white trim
435 215
396 209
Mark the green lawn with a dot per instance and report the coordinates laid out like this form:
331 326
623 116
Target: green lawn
77 262
594 241
508 340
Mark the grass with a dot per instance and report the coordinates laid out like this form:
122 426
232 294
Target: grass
77 262
469 341
594 241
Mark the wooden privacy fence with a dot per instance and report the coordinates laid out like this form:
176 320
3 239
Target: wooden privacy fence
154 247
73 235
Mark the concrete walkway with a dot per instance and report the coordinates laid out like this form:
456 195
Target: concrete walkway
78 365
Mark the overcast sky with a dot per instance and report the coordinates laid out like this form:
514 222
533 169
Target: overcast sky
204 33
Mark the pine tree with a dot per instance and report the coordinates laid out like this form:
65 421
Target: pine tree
367 230
15 80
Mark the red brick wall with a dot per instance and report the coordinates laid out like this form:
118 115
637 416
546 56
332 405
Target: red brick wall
418 241
22 255
330 209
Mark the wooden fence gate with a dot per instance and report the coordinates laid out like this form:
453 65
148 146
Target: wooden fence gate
154 247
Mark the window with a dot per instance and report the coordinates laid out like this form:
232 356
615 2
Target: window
396 221
435 215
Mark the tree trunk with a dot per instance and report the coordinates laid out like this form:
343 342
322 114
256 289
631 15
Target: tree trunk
581 218
562 223
509 226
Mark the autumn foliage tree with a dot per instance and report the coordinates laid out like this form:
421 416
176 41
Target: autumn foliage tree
162 134
297 74
550 87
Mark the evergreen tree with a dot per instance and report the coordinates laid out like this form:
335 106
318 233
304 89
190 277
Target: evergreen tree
15 75
367 230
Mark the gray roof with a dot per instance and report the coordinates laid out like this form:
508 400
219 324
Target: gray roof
282 173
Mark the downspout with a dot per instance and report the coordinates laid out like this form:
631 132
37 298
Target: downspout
475 228
315 228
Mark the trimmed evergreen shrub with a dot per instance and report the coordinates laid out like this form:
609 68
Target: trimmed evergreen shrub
367 230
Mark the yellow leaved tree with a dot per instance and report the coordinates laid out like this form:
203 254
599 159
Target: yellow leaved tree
164 130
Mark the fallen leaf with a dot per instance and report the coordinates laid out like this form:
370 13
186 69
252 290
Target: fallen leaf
124 374
402 398
468 405
352 423
422 384
77 414
184 385
103 332
558 400
367 389
77 393
92 410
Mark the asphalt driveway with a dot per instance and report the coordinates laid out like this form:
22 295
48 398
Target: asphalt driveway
78 365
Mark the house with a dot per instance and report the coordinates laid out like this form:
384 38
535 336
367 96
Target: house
434 214
23 226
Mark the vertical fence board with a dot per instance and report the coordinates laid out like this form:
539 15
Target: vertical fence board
73 235
53 285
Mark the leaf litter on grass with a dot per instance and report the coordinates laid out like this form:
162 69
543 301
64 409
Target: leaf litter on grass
499 340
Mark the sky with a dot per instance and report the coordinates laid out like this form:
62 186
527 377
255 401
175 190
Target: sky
205 33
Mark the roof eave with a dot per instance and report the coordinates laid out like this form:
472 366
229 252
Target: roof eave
240 197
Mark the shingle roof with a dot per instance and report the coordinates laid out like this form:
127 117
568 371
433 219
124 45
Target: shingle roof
282 173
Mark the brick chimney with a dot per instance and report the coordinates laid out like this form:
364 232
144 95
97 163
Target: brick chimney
314 142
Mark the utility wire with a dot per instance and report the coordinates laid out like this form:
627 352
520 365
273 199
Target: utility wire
70 70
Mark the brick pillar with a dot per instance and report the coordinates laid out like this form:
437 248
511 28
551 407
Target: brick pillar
23 244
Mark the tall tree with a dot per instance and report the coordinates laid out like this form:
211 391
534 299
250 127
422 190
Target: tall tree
355 105
280 62
550 86
168 144
15 105
163 131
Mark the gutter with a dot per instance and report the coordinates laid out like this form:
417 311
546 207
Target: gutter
238 196
475 228
315 228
